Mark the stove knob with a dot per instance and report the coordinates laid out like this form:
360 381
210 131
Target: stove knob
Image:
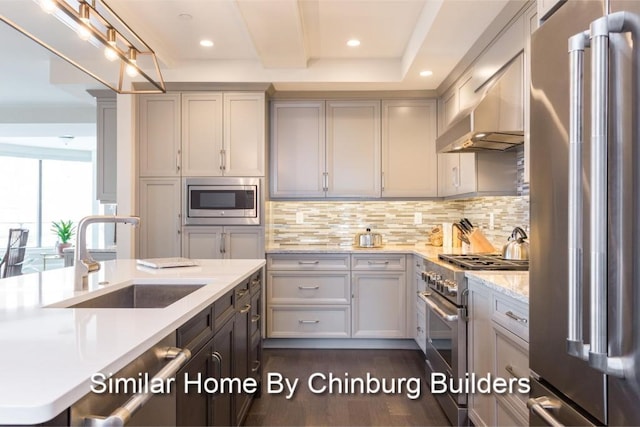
440 285
450 287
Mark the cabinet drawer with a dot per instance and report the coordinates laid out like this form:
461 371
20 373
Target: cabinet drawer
299 288
256 282
512 316
224 309
378 262
512 361
197 331
309 262
309 322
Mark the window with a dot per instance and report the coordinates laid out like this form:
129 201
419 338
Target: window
41 185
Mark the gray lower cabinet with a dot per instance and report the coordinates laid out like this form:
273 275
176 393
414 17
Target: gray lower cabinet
225 342
325 295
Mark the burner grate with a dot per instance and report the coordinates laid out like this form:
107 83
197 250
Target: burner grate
484 262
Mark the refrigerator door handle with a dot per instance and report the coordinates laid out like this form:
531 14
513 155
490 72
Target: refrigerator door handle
600 29
539 406
575 345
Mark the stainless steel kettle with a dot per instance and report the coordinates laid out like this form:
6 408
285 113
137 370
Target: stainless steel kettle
516 248
368 240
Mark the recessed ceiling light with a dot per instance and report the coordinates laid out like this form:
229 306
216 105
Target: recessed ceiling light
206 43
353 43
426 73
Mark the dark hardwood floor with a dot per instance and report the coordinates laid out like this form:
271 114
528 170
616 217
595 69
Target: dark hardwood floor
307 408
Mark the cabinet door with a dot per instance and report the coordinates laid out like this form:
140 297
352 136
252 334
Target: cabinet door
106 151
159 135
222 357
202 134
467 179
409 160
480 353
195 408
531 24
448 174
159 217
244 140
297 149
353 149
243 242
378 305
202 242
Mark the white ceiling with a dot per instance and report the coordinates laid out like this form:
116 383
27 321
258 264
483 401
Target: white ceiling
294 44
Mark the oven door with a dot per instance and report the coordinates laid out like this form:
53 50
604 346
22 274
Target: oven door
446 341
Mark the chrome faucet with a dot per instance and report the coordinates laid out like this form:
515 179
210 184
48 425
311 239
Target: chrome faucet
83 262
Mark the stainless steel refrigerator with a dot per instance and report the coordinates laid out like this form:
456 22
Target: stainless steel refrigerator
585 215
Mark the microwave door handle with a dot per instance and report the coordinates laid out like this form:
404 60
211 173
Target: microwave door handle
575 345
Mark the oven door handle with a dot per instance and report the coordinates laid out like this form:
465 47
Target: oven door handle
436 309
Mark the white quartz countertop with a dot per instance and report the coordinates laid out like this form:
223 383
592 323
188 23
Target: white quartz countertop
512 283
49 354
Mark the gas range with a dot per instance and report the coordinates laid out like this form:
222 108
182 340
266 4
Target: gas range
484 262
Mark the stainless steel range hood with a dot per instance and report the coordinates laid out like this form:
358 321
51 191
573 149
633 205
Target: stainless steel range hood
496 123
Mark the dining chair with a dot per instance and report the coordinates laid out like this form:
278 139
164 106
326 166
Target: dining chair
13 259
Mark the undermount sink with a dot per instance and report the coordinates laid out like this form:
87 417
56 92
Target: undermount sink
140 296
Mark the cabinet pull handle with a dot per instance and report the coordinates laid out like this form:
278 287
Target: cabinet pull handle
255 282
241 292
223 243
325 181
511 371
246 308
223 159
455 177
515 317
308 288
217 357
178 161
308 262
308 321
256 366
123 414
378 262
383 181
255 318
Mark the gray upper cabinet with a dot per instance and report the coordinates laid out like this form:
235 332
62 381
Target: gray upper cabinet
202 134
106 181
159 135
298 148
244 123
353 149
409 161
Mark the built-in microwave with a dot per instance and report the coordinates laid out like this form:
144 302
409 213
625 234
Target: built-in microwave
221 201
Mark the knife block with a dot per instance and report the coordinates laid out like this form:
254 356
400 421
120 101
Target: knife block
479 243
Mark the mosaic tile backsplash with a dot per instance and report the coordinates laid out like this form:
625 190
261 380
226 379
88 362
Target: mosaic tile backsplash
336 223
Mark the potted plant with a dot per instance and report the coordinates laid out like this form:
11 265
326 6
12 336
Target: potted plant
64 230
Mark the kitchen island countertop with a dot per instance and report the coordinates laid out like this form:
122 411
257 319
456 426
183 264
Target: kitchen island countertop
51 353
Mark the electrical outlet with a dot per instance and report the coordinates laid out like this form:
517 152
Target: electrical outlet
417 218
299 218
491 221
